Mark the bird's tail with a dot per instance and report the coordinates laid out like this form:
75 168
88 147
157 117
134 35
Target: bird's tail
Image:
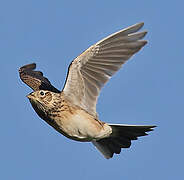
120 138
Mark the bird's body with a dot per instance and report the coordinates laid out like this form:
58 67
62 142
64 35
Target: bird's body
69 119
72 111
77 124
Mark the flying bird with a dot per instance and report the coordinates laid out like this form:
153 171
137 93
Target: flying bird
72 111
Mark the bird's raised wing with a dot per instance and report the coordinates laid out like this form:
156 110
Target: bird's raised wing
35 79
93 68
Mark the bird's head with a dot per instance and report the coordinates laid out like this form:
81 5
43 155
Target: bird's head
43 101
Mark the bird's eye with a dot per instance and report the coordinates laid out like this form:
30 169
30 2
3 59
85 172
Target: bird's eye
42 93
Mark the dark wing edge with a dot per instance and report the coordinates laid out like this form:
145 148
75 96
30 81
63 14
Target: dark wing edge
35 79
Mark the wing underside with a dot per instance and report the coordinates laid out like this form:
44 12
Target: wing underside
89 72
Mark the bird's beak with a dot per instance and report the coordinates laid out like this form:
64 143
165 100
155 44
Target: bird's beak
30 96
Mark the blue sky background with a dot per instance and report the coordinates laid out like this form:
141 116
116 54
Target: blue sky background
147 90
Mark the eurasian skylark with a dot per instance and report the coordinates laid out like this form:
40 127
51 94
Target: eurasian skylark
72 111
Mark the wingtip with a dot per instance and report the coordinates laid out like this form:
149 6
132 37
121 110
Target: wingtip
30 66
144 42
144 33
139 25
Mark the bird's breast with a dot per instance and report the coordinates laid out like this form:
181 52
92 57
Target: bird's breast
78 125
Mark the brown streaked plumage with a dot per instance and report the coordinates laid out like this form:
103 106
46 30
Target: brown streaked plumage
72 111
35 79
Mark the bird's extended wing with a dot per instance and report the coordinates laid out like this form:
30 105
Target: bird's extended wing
93 68
35 79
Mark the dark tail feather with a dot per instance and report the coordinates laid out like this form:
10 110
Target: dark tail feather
120 138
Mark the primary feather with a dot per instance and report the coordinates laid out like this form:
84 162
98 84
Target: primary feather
89 72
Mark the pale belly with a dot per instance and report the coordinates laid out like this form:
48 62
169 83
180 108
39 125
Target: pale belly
81 126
